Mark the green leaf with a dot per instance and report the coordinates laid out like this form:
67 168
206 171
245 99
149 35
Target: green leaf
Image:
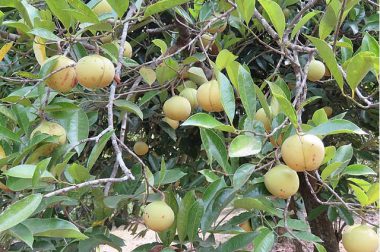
328 56
302 22
232 71
360 195
319 117
82 12
26 171
19 211
120 7
330 169
227 96
329 154
285 104
161 44
161 6
358 170
9 113
237 242
51 227
7 134
58 9
358 67
346 215
148 75
224 58
264 241
257 203
246 9
320 247
244 145
329 19
304 236
369 43
263 100
194 219
129 107
97 150
209 175
40 170
373 193
46 34
294 224
275 14
22 117
77 173
204 120
347 51
183 215
215 147
21 232
242 175
171 176
247 92
336 126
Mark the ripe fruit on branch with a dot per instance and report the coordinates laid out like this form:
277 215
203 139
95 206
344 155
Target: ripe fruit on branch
158 216
102 8
262 117
64 80
246 226
177 108
95 71
208 96
140 148
127 50
316 70
281 181
328 111
191 95
360 238
303 152
172 123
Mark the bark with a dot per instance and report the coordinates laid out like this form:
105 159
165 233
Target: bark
320 226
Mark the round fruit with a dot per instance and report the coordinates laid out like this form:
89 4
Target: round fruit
64 80
191 95
208 97
218 27
95 71
207 40
281 181
172 123
303 152
316 70
140 148
52 129
127 50
246 226
106 38
262 117
360 238
158 216
328 111
102 8
187 84
177 108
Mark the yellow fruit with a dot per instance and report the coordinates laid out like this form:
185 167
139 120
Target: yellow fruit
95 71
281 181
191 95
360 238
127 50
207 40
52 129
208 97
172 123
64 80
158 216
140 148
262 117
246 226
102 8
316 70
303 152
328 111
218 27
177 108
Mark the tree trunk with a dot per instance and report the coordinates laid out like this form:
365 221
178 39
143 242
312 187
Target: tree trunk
320 226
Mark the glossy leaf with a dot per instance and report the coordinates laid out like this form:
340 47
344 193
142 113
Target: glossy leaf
26 171
264 241
247 92
246 9
275 14
302 22
148 74
358 170
22 233
204 120
227 96
97 150
244 145
224 58
46 34
129 107
336 126
183 215
242 175
58 9
237 242
329 19
161 6
194 219
120 7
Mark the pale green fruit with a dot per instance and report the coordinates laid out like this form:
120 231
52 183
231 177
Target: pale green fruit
303 152
281 181
127 50
191 95
177 108
316 70
51 128
158 216
262 117
360 238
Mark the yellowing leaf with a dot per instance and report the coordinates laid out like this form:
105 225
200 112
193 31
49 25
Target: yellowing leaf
39 50
148 74
5 49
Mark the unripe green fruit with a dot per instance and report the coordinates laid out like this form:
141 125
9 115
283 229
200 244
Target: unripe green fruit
316 70
102 8
191 95
177 108
64 80
127 50
281 181
360 238
208 97
303 152
158 216
95 71
172 123
140 148
262 117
